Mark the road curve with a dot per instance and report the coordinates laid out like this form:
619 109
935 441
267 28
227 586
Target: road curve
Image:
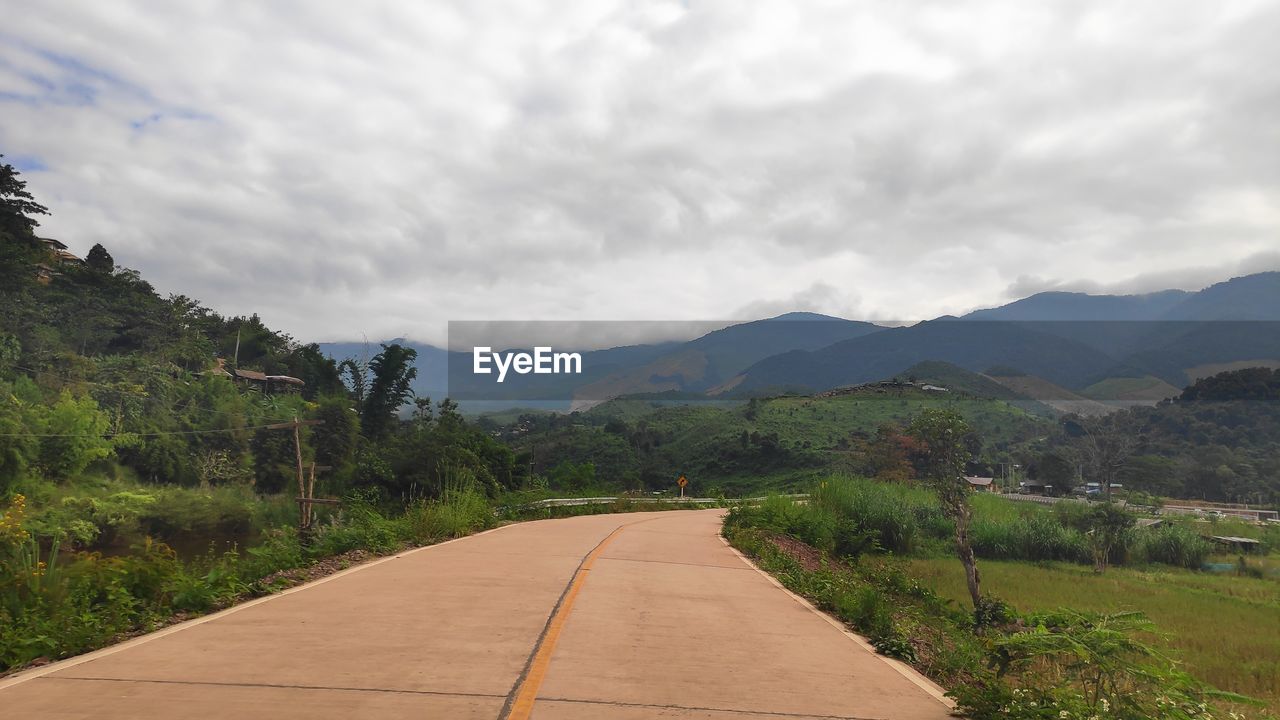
627 616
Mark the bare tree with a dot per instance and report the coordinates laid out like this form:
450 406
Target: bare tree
946 445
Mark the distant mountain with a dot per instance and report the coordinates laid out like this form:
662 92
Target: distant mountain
974 346
1069 306
1126 348
1086 348
708 362
692 366
1251 297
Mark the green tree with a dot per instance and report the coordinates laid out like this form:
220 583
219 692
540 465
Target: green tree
19 249
17 448
75 435
390 388
1153 474
572 477
1108 524
17 206
336 439
944 446
1054 469
99 259
274 460
356 381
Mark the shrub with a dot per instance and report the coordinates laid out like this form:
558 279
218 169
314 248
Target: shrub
455 515
364 529
1066 664
1174 544
782 515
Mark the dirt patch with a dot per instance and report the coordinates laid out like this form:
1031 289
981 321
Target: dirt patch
320 568
810 558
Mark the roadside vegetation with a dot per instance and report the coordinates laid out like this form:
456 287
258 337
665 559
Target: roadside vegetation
55 603
1050 635
149 466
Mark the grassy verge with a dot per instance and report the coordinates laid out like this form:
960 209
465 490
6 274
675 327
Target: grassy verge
54 604
902 618
1215 624
1061 657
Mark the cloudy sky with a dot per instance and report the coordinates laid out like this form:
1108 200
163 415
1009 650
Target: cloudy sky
381 168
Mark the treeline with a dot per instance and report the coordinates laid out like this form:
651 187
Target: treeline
1219 440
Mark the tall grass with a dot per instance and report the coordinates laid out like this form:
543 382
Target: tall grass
891 514
1037 536
851 515
1175 544
1222 627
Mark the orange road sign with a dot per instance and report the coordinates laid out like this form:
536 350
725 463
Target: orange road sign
682 481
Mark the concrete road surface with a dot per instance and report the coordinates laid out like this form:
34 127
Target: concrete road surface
646 615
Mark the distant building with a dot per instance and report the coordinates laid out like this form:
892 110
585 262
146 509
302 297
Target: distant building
981 484
1237 544
58 255
268 383
60 252
1035 487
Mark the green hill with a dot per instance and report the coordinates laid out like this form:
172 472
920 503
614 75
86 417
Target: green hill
765 443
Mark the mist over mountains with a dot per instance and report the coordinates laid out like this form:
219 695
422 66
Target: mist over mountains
1060 345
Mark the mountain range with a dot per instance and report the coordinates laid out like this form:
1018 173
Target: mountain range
1056 347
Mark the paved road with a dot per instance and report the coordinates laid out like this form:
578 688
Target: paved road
628 616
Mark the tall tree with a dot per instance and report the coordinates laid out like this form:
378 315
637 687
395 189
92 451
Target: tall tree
17 206
389 389
99 259
1106 449
337 439
19 249
945 445
357 380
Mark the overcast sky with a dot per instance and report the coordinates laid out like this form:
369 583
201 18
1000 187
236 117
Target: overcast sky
381 168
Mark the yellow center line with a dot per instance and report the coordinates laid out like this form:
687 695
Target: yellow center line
522 706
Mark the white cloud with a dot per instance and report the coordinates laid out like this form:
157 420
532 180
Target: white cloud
386 167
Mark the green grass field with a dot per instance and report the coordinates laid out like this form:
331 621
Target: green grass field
1225 628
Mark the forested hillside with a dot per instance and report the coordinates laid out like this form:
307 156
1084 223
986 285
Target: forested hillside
1218 440
645 442
100 376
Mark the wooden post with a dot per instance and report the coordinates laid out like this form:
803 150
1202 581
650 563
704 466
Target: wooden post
304 506
304 510
311 492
